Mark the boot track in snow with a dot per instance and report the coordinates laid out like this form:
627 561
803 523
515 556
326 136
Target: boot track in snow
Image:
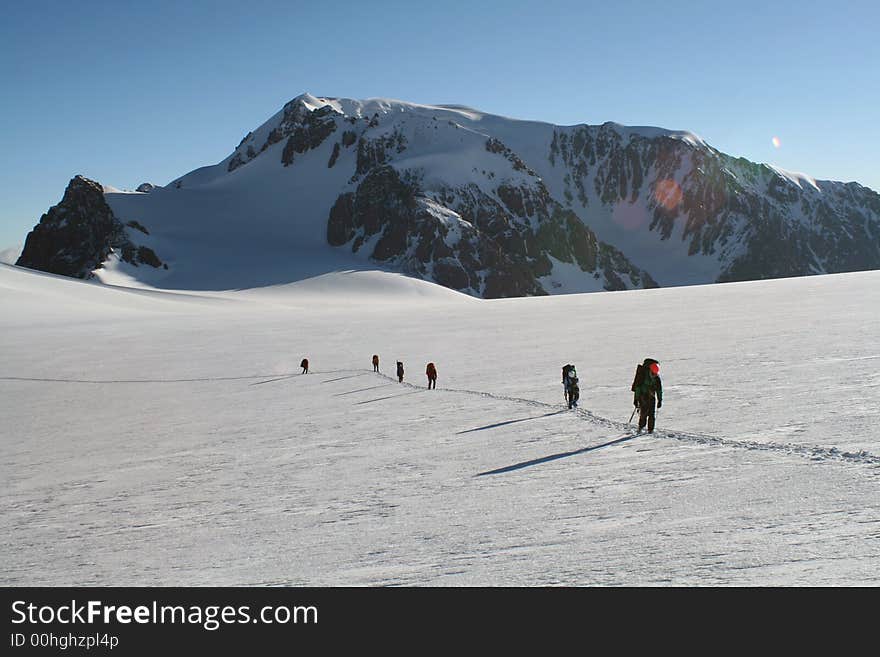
812 453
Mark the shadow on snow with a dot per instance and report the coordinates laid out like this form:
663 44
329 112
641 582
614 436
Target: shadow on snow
351 392
343 377
280 378
553 457
501 424
370 401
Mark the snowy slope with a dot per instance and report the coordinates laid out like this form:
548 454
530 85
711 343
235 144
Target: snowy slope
9 255
260 217
671 203
483 204
156 438
690 214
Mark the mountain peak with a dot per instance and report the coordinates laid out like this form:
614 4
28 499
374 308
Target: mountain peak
480 203
309 101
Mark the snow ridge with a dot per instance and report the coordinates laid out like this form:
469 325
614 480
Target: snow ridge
514 208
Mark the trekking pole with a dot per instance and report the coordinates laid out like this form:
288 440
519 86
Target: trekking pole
632 416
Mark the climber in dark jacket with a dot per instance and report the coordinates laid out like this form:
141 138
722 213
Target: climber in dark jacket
647 391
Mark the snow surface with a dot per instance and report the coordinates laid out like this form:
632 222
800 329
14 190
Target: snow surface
10 255
799 179
161 438
568 278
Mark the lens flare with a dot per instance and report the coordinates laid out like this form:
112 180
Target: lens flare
668 194
776 142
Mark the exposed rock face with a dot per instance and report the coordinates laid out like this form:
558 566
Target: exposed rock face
376 152
493 238
808 234
348 138
303 128
310 132
146 187
76 236
467 240
333 156
758 222
408 230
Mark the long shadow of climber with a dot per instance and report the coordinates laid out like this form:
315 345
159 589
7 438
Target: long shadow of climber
553 457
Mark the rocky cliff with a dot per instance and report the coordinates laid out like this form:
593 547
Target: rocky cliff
75 237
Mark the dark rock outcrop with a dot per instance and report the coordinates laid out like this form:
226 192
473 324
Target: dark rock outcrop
307 133
468 240
137 226
302 127
376 152
333 156
348 138
411 232
76 236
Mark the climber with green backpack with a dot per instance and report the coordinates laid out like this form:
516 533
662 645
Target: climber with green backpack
647 390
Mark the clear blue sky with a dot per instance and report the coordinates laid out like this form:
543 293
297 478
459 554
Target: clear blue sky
146 91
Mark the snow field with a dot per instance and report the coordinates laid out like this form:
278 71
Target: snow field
177 444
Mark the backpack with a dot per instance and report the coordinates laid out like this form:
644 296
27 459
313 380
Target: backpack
639 378
570 378
641 373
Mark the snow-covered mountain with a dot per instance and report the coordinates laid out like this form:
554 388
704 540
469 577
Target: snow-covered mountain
490 206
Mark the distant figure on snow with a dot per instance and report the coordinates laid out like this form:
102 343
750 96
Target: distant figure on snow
305 365
375 363
647 389
572 391
400 371
431 371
